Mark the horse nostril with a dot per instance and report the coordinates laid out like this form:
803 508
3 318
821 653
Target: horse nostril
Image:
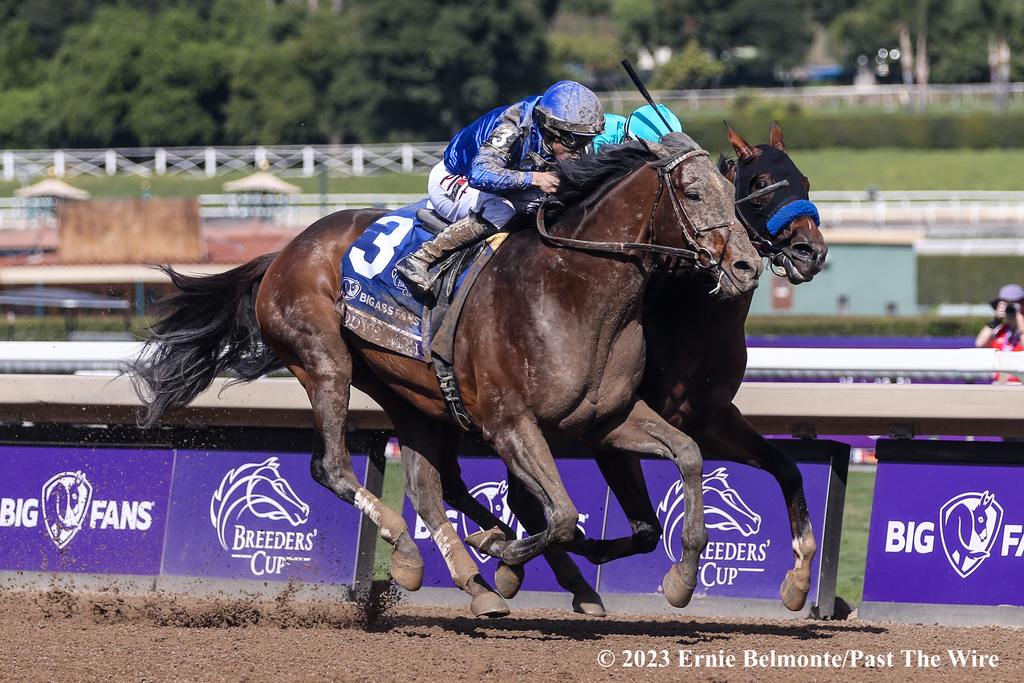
803 251
747 268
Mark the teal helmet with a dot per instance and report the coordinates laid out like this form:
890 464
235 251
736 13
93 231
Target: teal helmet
644 123
614 131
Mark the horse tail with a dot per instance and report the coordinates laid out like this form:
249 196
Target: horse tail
206 328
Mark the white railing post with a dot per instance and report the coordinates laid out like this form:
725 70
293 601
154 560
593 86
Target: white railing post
111 162
8 165
160 161
308 161
211 162
407 158
58 163
259 157
357 160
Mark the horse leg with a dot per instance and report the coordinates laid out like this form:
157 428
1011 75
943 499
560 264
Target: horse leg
625 478
731 437
423 486
643 431
585 600
507 579
522 447
311 347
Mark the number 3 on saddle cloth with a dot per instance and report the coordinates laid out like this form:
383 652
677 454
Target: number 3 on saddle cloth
379 306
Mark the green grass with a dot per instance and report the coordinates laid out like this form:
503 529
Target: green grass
853 547
828 169
394 497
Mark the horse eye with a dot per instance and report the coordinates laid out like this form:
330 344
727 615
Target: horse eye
761 184
693 196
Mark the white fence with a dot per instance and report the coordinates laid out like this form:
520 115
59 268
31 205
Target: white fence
762 362
285 160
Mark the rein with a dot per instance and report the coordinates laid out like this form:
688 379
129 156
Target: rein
693 255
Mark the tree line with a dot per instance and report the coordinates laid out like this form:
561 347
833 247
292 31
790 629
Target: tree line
169 72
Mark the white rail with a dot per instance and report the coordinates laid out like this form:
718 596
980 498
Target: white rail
78 356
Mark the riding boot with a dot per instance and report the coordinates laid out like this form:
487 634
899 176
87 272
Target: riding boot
415 267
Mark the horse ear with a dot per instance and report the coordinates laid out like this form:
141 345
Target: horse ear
775 137
742 148
730 172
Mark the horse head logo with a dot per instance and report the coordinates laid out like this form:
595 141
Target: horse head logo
724 509
968 525
350 287
65 500
494 496
259 489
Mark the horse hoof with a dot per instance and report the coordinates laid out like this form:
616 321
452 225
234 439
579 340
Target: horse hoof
508 579
794 592
677 591
488 604
407 569
490 541
589 603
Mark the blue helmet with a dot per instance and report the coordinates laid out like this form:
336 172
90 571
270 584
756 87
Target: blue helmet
646 124
569 107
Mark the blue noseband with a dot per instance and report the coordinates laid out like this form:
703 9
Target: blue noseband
790 212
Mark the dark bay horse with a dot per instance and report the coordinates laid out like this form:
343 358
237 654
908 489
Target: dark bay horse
694 368
551 346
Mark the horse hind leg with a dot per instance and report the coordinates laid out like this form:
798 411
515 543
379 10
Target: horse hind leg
313 350
424 488
508 579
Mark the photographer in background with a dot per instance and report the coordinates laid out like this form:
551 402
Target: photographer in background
1003 332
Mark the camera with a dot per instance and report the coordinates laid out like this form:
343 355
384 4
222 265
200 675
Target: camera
1012 310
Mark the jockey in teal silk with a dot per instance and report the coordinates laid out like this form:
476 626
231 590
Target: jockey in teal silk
644 124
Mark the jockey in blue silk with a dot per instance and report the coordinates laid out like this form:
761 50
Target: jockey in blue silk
644 123
493 169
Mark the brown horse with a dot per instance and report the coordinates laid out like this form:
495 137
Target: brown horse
551 346
694 368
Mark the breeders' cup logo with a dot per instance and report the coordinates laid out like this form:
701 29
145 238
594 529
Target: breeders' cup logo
724 510
493 495
399 282
350 287
254 492
65 499
968 526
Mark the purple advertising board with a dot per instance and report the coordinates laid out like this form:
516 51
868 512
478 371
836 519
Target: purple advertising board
259 516
749 542
487 480
70 509
947 532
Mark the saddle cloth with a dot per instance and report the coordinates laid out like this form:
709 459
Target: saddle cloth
378 304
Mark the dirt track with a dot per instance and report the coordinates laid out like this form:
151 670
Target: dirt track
76 636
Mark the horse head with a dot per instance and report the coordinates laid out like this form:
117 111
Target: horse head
724 508
772 201
697 213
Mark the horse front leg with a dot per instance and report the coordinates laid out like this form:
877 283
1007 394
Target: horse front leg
731 437
521 444
644 432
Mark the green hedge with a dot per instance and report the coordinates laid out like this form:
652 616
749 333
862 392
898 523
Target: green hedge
964 279
53 328
808 129
865 326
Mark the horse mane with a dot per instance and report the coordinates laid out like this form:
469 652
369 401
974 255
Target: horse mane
587 178
725 162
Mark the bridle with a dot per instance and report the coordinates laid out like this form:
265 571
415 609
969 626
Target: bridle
764 246
700 257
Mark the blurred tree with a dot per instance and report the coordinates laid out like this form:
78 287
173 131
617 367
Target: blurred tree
691 67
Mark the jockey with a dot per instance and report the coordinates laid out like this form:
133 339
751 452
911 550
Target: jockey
491 169
644 123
